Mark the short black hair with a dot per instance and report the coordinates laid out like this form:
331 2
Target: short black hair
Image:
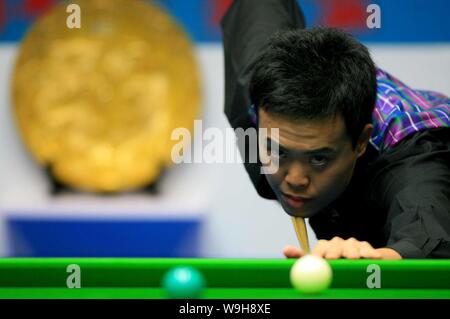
316 74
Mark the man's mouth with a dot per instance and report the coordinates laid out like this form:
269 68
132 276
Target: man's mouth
294 201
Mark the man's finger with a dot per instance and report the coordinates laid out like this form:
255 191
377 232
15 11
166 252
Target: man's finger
292 252
351 251
369 254
367 251
334 251
321 248
334 248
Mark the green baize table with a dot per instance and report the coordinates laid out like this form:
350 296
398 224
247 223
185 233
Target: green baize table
140 278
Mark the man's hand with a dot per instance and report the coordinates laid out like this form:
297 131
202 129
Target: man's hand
341 248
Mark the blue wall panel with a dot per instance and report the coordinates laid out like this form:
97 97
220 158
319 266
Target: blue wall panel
103 238
402 20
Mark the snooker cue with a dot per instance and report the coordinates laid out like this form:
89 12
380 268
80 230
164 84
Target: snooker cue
302 235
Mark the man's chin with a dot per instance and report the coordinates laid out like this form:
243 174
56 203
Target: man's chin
304 213
301 214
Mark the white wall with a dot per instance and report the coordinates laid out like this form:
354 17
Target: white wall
238 222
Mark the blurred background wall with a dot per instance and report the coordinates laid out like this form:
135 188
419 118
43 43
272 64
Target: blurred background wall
205 210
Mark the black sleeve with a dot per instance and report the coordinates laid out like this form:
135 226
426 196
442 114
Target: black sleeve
246 27
417 196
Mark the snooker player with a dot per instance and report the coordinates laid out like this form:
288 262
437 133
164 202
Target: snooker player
362 155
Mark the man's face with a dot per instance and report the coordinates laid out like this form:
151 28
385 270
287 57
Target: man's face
316 161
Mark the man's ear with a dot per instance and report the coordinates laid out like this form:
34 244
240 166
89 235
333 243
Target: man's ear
363 139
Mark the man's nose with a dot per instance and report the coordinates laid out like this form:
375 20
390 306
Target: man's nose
297 176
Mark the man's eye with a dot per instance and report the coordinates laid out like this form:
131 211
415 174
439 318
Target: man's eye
319 160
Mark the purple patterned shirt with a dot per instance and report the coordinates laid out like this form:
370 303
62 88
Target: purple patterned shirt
401 111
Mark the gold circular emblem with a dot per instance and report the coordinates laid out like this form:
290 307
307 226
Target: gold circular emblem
97 104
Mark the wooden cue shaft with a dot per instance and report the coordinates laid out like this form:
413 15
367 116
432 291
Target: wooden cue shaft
302 234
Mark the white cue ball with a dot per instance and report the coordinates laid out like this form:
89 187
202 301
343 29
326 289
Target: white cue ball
311 274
